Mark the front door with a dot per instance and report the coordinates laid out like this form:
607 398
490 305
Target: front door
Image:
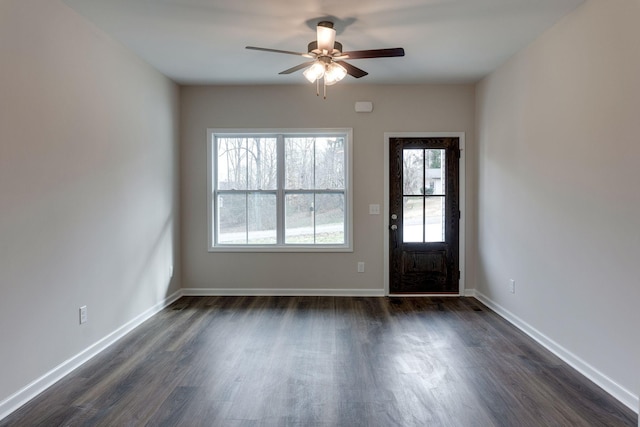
425 214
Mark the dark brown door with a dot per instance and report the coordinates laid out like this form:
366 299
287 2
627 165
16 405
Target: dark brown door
425 215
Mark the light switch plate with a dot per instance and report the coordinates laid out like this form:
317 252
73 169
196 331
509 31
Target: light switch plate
83 314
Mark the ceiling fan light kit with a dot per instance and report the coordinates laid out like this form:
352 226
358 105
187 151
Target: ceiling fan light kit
331 72
327 58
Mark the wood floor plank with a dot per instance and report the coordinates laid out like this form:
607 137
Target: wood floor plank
324 361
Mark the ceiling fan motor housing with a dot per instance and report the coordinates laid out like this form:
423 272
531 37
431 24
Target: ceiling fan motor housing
313 48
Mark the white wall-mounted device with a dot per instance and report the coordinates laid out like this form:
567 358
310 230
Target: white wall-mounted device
364 106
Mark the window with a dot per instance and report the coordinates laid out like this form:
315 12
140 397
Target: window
424 195
279 190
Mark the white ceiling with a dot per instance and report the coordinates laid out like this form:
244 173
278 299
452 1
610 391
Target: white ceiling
202 41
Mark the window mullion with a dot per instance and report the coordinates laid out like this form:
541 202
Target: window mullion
247 189
215 183
424 194
313 213
246 217
280 195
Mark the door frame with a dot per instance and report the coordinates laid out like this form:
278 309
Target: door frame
462 204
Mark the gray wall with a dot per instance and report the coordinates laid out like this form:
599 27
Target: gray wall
396 108
88 187
559 190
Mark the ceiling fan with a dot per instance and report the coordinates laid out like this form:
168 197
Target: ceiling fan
327 58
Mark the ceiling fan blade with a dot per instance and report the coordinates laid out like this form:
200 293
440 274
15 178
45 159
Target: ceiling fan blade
375 53
264 49
351 70
297 67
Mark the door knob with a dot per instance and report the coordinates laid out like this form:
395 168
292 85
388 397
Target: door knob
394 216
394 227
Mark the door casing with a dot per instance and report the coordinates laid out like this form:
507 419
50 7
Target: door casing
386 213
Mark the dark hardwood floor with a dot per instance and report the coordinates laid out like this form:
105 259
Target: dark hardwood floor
324 361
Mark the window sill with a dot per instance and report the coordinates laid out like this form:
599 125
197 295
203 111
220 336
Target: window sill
284 249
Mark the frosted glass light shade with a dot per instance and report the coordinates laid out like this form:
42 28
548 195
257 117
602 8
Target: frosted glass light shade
335 73
314 72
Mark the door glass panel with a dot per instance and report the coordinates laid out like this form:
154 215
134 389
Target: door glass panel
413 219
423 175
434 219
413 172
435 176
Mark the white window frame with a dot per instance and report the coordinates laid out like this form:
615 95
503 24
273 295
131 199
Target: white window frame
212 133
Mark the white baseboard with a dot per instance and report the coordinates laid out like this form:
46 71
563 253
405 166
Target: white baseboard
434 295
464 293
208 292
30 391
616 390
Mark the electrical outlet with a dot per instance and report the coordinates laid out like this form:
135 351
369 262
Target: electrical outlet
360 267
83 314
512 286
